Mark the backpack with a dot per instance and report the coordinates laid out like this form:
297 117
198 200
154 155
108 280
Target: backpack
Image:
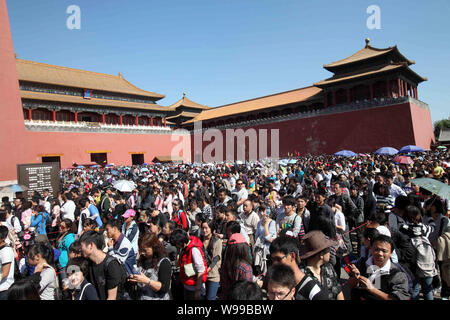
424 257
408 275
188 221
123 276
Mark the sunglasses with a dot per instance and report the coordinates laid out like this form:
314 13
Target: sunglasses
278 259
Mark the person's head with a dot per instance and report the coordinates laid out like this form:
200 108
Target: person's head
177 205
231 215
156 225
336 188
91 243
237 252
436 208
40 252
232 227
151 248
381 248
77 269
220 212
75 249
113 229
193 204
401 202
368 235
245 290
89 224
208 227
289 204
247 206
413 215
128 216
18 202
3 234
222 194
168 228
240 184
23 289
179 238
315 247
67 226
381 189
284 250
301 202
280 282
320 196
354 190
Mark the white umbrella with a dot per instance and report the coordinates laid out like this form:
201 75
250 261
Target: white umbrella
124 185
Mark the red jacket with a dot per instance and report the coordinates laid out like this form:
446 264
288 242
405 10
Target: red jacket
180 219
186 258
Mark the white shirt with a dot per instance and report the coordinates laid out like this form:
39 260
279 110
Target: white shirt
68 210
16 227
339 219
7 256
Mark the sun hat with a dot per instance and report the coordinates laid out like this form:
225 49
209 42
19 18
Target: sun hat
129 213
314 242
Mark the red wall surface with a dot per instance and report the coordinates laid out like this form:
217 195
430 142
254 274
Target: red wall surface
12 127
360 131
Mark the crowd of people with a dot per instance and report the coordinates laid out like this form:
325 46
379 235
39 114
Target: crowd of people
315 228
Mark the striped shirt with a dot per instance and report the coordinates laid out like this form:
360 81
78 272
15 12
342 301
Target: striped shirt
310 289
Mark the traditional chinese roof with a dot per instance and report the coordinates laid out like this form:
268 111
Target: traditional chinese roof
64 76
367 53
185 102
368 73
259 104
62 98
184 114
444 135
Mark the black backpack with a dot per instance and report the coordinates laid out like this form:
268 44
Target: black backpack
123 276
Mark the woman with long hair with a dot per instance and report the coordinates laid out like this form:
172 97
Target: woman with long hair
213 246
155 269
66 237
236 263
40 256
23 290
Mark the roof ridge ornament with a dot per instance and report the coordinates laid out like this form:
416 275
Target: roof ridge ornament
367 42
120 75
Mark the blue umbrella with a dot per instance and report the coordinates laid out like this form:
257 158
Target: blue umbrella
292 161
346 153
144 169
411 148
80 167
95 166
13 188
145 164
387 151
109 165
115 172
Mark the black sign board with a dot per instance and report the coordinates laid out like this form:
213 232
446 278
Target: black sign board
39 176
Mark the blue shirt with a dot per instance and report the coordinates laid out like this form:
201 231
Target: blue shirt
38 221
94 211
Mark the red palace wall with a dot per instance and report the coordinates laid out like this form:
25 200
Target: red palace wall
360 131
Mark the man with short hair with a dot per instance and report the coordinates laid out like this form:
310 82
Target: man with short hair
232 215
222 197
280 282
250 219
105 272
377 278
242 194
6 263
285 250
119 246
289 220
394 189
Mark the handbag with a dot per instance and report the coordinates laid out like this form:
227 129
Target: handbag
189 270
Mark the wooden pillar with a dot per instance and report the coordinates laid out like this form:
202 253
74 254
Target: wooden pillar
103 118
371 91
417 94
137 120
30 116
54 115
76 116
151 121
348 95
121 120
399 87
164 121
388 89
406 89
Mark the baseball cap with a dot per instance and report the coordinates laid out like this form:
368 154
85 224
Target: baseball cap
237 238
129 213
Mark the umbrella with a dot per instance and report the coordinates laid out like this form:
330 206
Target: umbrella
403 160
239 162
438 188
124 185
387 150
109 165
292 161
144 169
13 188
95 166
442 147
346 153
411 148
115 172
80 167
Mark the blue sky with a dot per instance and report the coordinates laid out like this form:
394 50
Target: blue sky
223 51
